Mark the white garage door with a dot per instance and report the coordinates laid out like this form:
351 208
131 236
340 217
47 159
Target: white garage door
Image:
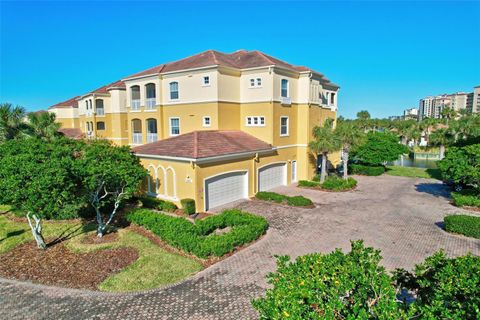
225 188
272 176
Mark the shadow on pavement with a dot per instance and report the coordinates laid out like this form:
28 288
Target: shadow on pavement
435 189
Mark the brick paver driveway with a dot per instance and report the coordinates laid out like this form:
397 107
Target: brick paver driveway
396 215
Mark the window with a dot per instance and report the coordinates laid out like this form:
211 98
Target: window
99 110
174 126
283 126
151 130
206 121
258 121
173 90
332 98
284 88
101 125
206 81
255 83
135 92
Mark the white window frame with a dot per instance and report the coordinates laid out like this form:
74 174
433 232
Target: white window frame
205 124
258 82
287 125
254 83
170 91
288 88
206 84
255 121
170 126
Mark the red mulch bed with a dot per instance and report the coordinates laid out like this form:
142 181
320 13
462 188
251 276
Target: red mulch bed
59 266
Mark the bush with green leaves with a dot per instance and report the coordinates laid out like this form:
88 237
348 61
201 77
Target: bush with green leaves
463 224
461 165
445 288
188 206
200 238
308 183
466 198
296 201
335 183
330 286
366 170
155 203
379 148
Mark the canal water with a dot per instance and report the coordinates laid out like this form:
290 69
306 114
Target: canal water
410 162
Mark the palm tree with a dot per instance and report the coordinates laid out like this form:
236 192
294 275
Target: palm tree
349 136
43 125
442 137
12 123
448 113
325 142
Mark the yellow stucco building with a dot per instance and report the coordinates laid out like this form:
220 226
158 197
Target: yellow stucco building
213 127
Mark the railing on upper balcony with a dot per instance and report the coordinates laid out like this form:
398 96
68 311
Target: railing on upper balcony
151 137
137 138
135 104
150 103
100 111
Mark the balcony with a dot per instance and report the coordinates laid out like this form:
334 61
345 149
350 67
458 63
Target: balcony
137 138
135 104
151 137
150 103
286 101
100 112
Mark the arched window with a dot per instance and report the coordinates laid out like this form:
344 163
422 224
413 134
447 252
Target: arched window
152 180
99 110
170 183
151 130
150 93
135 92
136 131
173 90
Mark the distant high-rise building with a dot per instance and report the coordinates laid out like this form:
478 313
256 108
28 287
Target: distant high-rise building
458 101
439 103
411 113
425 108
473 100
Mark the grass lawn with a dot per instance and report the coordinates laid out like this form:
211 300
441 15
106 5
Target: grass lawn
154 267
414 172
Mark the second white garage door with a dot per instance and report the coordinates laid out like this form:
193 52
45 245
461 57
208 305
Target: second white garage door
225 188
272 176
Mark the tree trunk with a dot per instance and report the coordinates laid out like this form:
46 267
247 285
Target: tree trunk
442 151
323 172
345 164
37 230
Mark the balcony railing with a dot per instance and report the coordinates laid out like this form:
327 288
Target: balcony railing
135 104
150 103
286 101
151 137
100 111
137 138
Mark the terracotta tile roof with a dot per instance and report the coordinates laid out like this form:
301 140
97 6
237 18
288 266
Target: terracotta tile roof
241 59
73 133
70 103
104 89
203 144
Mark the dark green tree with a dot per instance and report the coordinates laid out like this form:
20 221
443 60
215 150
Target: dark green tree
461 165
380 148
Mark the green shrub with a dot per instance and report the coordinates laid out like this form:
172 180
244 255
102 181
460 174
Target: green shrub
468 198
366 170
308 183
299 201
199 238
335 183
270 196
316 178
444 288
158 204
330 286
188 205
296 201
463 224
461 165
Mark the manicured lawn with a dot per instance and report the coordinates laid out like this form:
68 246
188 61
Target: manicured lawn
154 267
414 172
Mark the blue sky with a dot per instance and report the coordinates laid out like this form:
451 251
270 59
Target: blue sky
384 55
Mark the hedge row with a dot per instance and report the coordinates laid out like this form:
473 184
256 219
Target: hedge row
466 198
463 224
296 201
199 238
335 183
158 204
366 170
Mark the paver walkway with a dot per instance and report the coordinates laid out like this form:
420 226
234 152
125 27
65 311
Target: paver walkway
394 214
